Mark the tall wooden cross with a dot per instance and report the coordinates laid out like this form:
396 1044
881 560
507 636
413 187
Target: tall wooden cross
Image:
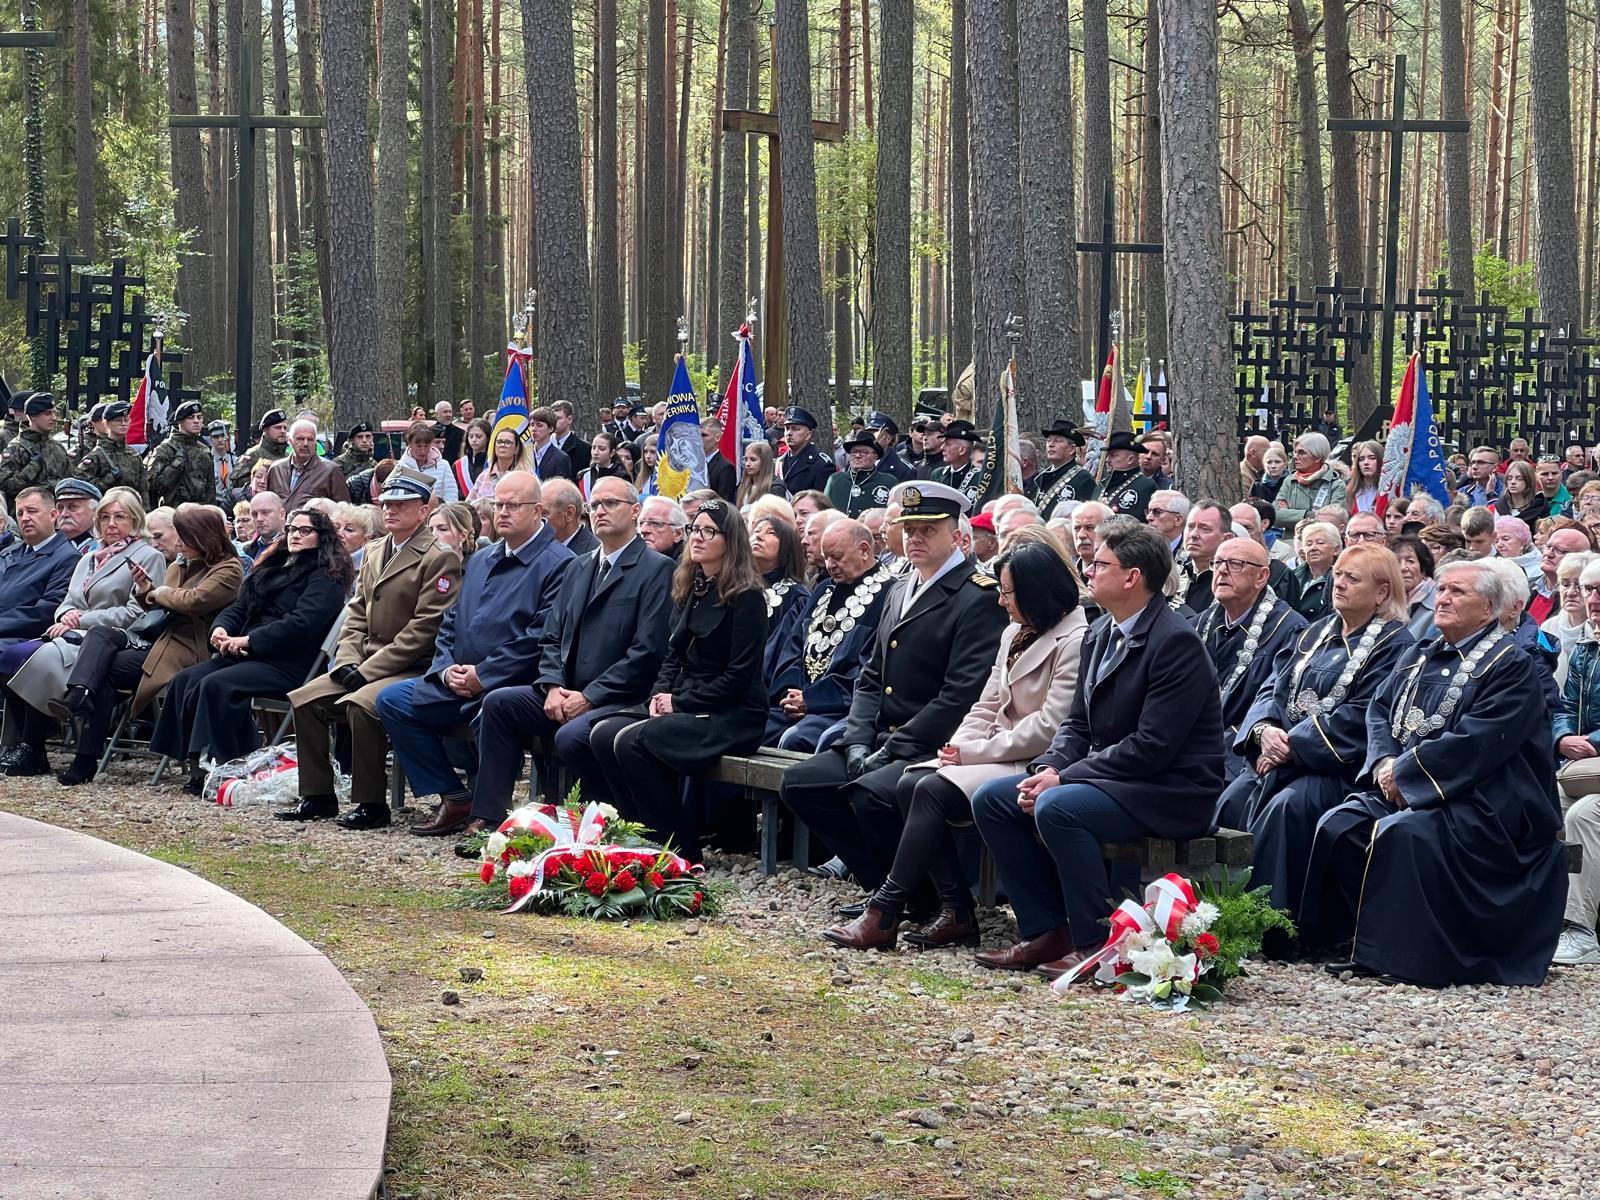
1108 248
1396 126
775 350
245 123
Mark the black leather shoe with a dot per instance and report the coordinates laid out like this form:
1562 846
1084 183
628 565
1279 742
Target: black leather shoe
10 754
364 816
469 847
310 808
850 912
1355 968
29 763
196 785
79 770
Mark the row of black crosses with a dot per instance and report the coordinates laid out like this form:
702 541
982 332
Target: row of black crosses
1492 375
96 330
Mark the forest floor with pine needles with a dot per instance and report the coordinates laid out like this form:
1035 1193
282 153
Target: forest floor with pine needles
740 1056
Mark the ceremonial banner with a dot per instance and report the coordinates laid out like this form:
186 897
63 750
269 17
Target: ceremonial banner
680 455
1413 459
740 411
1110 412
1002 468
147 421
512 411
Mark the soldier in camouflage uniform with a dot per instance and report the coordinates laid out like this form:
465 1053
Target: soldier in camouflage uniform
91 432
14 420
181 468
34 458
111 464
357 456
274 443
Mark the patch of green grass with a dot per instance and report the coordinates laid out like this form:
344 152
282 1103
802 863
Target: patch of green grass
1162 1182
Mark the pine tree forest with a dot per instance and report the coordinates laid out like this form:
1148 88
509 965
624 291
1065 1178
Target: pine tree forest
480 151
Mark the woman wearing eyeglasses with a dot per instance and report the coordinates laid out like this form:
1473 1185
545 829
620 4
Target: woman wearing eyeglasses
263 644
709 698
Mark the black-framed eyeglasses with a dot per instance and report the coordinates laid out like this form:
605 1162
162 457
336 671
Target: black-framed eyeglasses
1227 566
300 529
610 502
704 532
513 505
1099 564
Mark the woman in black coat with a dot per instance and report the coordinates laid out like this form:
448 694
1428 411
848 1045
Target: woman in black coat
264 644
709 698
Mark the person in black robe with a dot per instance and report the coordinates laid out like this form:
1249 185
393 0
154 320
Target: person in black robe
1450 869
1245 630
1306 734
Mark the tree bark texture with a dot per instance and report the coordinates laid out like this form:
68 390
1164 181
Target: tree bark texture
1096 170
731 294
288 199
1311 198
1457 150
306 22
1155 278
802 252
441 293
261 340
891 242
1049 250
83 124
394 146
1551 105
1346 188
566 330
960 353
1200 367
660 322
607 248
191 201
844 317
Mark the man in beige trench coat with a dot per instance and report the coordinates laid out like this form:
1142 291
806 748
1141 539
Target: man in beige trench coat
407 581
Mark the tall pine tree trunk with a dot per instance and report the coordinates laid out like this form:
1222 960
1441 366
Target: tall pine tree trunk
283 148
1096 170
891 242
1154 299
1551 114
1346 189
394 138
802 253
83 124
353 353
1309 194
190 201
261 341
844 318
566 330
1049 250
440 297
316 174
713 279
997 277
482 341
1457 149
607 251
961 346
731 294
660 322
1200 367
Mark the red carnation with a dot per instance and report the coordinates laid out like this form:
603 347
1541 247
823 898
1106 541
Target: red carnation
520 886
625 882
699 898
596 883
657 880
486 872
1206 945
674 870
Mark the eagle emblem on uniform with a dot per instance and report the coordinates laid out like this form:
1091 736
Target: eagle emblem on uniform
911 497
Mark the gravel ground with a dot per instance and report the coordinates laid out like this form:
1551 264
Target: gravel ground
1300 1086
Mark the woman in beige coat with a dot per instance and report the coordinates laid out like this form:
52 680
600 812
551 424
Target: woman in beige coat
1028 696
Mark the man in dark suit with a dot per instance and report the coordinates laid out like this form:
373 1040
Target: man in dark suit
1140 755
720 475
489 639
601 649
35 571
935 646
568 442
548 460
563 508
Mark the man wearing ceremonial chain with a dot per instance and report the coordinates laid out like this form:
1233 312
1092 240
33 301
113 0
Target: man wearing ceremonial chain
861 485
1125 490
1448 868
1244 631
818 667
1064 478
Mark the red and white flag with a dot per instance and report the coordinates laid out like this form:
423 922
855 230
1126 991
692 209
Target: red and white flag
147 422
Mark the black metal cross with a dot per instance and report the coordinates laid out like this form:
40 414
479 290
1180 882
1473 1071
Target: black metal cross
245 123
1396 126
1108 248
29 40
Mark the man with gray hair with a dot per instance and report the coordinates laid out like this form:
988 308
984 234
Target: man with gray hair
662 525
1167 512
1449 868
303 475
1312 484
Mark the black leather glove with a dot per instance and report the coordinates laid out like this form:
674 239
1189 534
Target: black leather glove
349 678
878 758
855 761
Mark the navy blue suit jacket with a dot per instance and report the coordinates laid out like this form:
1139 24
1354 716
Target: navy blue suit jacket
32 583
496 624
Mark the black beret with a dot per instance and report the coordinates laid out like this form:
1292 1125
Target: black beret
275 417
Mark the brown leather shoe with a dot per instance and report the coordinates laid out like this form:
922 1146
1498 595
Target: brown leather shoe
875 929
451 817
949 928
1055 970
1028 953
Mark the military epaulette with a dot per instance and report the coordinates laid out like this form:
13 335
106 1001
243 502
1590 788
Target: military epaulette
984 581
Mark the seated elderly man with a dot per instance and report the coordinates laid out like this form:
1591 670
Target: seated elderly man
1254 524
1448 869
663 525
1140 755
1167 512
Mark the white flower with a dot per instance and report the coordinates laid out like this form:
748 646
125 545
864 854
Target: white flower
1132 941
522 866
1200 919
496 845
608 812
1157 963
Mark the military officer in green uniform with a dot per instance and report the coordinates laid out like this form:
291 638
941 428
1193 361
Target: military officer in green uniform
91 432
181 470
861 485
959 471
110 463
1126 490
357 456
12 425
34 458
272 446
1064 478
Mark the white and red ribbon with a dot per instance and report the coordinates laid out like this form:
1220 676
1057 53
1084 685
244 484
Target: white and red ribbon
570 833
1167 902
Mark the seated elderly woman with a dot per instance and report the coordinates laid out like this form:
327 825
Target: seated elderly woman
202 578
1320 543
1305 737
1577 734
1417 562
1446 867
1029 694
1513 541
100 595
265 642
356 525
1564 629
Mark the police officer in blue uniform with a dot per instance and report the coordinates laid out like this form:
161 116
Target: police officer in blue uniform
881 425
805 468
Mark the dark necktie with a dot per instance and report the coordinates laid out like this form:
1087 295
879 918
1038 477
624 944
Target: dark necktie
602 575
1113 643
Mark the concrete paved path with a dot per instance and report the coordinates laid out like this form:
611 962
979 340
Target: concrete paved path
160 1037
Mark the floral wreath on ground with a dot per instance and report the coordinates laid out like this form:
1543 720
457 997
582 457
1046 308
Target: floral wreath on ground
1182 944
586 861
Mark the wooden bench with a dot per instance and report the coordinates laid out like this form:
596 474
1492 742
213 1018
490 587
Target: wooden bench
759 775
